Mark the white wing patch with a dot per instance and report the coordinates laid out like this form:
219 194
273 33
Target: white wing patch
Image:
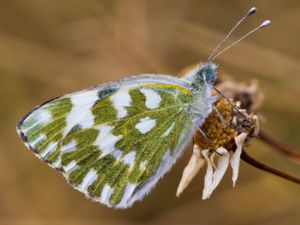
106 193
89 178
81 113
121 100
106 140
129 158
70 167
107 144
153 99
145 125
69 147
117 154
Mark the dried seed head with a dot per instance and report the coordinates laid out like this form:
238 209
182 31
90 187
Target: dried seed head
218 132
221 132
226 128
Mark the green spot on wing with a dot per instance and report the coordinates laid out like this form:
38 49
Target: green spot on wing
82 137
104 111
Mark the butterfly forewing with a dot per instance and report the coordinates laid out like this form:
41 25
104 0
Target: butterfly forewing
115 141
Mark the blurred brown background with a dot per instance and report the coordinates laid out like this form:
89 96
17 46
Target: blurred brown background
51 47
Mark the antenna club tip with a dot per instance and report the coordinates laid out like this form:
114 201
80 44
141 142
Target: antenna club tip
251 11
265 23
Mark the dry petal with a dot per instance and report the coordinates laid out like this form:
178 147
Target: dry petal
222 165
257 125
208 180
193 167
235 159
213 177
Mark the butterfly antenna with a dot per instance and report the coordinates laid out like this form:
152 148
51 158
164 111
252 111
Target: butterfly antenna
229 101
249 13
262 25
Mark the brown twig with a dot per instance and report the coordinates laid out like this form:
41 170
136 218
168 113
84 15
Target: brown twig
248 159
291 153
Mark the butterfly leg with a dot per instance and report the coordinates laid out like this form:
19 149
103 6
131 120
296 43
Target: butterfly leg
229 101
221 117
203 134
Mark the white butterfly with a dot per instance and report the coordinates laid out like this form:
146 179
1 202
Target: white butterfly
114 142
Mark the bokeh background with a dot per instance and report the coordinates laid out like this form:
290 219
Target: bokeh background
51 47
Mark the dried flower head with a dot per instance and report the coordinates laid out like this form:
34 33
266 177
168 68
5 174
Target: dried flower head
227 130
224 133
223 124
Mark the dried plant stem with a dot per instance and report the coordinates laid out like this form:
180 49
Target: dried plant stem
248 159
291 153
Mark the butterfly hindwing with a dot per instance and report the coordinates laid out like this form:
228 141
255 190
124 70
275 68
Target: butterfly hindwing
113 142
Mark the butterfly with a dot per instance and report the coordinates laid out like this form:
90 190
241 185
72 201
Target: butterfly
113 142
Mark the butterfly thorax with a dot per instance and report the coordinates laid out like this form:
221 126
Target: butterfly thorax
202 79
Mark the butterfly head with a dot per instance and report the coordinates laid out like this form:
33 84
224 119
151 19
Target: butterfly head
205 73
208 73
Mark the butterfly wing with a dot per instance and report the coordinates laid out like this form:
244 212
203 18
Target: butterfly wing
113 142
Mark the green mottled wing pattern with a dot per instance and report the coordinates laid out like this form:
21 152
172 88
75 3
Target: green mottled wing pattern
115 141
